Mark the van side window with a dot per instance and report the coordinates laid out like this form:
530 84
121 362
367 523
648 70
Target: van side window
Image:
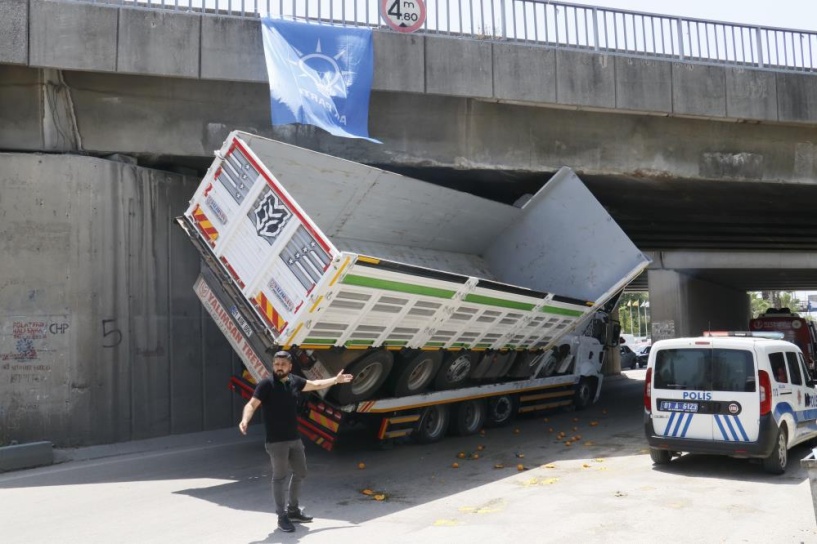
794 369
778 362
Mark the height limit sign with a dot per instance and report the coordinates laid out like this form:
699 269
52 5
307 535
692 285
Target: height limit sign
403 15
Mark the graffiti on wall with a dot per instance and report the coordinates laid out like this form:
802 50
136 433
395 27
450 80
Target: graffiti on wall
30 346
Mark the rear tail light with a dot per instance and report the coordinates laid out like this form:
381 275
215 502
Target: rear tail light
648 391
765 392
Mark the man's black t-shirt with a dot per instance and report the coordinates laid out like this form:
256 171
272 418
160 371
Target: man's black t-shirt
279 403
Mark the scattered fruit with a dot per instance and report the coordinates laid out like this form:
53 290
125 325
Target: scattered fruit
455 465
380 497
367 492
546 420
520 467
520 455
567 443
575 428
550 465
516 431
461 455
550 429
480 447
594 423
499 465
475 456
361 465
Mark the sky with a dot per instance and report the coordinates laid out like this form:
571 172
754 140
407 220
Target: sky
790 14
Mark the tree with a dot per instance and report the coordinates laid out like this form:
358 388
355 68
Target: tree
763 300
633 311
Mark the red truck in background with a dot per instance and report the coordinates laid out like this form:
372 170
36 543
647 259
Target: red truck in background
795 329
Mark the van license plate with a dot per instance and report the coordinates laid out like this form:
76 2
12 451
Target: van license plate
677 406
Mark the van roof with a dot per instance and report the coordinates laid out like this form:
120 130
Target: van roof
723 341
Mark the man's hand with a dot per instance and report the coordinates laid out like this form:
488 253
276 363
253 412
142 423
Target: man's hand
242 427
343 378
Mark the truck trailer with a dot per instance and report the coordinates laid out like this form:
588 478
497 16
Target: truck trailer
451 311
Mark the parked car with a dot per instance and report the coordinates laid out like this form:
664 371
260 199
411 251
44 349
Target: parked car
642 354
628 357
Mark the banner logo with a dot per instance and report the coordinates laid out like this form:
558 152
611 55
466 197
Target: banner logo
319 75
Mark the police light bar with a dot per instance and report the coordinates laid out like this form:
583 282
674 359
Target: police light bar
774 335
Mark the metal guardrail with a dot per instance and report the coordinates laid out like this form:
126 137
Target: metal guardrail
554 24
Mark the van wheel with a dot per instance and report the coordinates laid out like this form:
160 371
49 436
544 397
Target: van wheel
455 370
468 417
660 457
432 425
501 410
369 373
776 462
413 376
585 393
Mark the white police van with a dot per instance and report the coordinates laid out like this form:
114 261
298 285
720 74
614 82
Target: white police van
728 394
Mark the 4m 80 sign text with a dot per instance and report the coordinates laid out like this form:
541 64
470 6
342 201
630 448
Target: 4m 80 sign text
403 15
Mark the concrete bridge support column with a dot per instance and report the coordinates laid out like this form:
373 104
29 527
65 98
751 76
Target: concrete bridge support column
683 305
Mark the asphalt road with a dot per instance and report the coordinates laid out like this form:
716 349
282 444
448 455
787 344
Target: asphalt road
214 488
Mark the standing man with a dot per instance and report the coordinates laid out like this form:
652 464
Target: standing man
278 396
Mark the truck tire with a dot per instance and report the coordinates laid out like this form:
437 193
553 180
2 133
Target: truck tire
433 424
776 462
370 371
501 410
468 417
455 370
585 393
413 374
660 457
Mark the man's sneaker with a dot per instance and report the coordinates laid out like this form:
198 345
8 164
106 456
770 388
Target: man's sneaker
285 524
298 516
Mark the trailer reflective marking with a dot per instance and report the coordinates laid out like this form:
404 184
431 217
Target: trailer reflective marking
340 271
291 336
312 308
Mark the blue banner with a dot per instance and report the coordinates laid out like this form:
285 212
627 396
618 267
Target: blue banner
319 75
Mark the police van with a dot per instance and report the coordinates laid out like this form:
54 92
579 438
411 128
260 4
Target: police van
734 394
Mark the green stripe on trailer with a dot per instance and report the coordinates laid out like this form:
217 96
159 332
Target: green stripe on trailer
434 344
481 346
359 342
460 345
501 302
330 341
395 342
388 285
562 311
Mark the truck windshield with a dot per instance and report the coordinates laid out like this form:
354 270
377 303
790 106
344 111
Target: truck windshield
704 369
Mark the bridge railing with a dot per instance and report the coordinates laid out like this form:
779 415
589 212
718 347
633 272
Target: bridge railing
554 24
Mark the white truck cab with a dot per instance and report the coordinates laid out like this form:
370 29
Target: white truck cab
728 394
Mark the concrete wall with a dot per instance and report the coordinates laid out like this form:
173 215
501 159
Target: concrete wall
107 38
682 305
105 113
101 336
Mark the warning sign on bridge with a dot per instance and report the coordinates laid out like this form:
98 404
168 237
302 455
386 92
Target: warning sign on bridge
403 15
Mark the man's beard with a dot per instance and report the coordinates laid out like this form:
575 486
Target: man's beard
281 374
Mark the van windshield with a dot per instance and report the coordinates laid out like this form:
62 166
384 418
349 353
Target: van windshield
705 369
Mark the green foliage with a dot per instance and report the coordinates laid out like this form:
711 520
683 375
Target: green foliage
763 300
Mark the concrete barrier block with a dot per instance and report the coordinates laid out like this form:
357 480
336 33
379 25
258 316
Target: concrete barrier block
699 90
34 454
585 79
458 67
159 43
399 61
524 73
14 32
232 50
643 84
751 94
73 36
797 97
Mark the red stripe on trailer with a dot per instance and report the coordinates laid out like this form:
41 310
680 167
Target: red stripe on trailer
306 423
278 190
383 426
232 271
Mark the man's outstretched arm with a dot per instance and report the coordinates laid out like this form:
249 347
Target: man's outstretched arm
249 410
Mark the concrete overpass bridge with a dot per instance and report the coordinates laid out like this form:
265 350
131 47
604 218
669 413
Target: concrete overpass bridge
698 137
